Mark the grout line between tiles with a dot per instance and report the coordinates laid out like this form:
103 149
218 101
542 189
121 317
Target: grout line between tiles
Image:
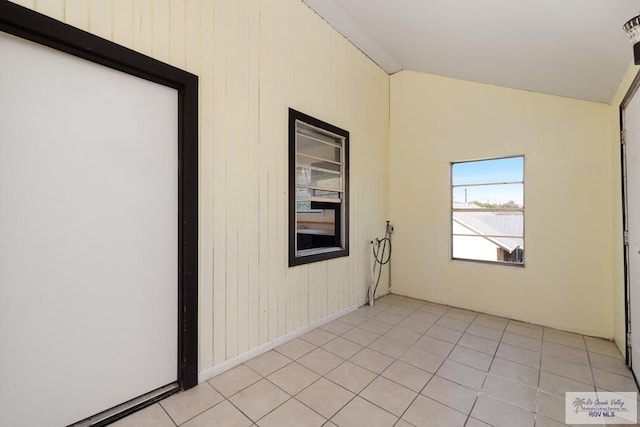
165 411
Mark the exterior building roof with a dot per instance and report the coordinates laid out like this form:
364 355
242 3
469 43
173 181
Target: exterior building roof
493 224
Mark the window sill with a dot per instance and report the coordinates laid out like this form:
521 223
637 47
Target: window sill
307 256
480 261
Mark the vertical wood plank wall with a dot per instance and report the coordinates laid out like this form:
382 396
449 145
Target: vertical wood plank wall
256 58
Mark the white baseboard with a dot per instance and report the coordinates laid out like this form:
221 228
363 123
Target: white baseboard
241 358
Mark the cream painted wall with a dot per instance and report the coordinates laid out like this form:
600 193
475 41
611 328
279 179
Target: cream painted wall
256 58
568 199
618 282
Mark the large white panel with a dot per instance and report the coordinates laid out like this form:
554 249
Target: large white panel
632 158
88 236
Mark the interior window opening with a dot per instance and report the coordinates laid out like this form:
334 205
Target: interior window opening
318 183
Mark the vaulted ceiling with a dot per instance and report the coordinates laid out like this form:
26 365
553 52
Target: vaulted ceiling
571 48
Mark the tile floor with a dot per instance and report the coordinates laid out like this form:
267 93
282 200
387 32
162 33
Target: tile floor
402 363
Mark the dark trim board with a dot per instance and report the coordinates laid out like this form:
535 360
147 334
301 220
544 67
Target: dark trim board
27 24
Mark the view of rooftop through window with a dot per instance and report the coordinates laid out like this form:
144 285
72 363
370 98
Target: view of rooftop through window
488 210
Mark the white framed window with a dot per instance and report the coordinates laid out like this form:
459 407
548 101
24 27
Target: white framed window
318 190
487 210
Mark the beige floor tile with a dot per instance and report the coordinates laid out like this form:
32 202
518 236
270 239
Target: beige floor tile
390 318
384 302
368 311
187 404
473 358
371 360
604 347
224 413
484 332
496 412
444 334
391 299
557 385
565 368
405 308
451 394
525 330
478 343
576 355
293 378
259 399
268 362
423 316
564 338
389 347
402 423
402 335
376 326
292 414
472 422
354 318
234 380
295 348
351 376
533 344
542 421
510 392
337 327
342 347
434 346
609 364
407 375
325 397
461 374
401 310
423 360
329 424
520 355
360 336
425 412
451 323
320 361
151 416
318 336
613 382
415 325
359 412
388 395
514 371
526 324
460 314
550 406
490 321
433 308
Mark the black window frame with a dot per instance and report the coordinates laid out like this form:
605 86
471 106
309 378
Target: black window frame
517 257
342 215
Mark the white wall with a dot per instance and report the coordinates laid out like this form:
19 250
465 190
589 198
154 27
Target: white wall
256 58
568 194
